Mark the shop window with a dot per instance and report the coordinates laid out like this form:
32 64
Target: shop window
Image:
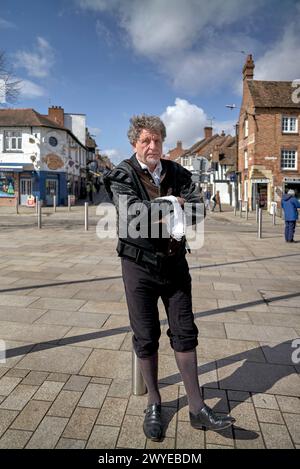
7 185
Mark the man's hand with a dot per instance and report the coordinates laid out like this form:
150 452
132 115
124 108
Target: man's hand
181 201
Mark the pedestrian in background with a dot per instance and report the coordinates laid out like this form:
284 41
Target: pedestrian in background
290 206
217 201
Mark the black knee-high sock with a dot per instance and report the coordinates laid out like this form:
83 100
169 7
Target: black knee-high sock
149 370
187 365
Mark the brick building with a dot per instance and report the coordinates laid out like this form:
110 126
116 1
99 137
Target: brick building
269 139
176 152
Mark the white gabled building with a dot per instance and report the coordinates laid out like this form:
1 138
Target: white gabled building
40 155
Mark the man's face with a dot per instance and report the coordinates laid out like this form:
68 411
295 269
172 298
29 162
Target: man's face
149 148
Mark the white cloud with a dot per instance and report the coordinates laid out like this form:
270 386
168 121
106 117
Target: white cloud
186 121
113 154
38 62
28 89
282 62
188 40
4 24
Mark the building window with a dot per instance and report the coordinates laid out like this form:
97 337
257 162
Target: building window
288 159
246 159
7 185
12 140
289 125
53 141
246 128
185 161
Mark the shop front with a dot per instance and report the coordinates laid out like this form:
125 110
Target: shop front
291 183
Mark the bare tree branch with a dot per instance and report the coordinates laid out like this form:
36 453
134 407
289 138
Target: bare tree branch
9 86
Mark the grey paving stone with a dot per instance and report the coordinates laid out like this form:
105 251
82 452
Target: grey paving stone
64 359
219 447
112 412
245 415
216 399
105 307
8 300
131 433
93 396
65 403
265 401
14 373
20 314
227 286
62 377
48 433
241 396
31 332
278 352
19 397
7 385
48 391
259 333
81 423
58 304
106 381
269 415
248 440
103 437
289 404
31 415
187 437
108 364
225 437
4 370
120 388
71 318
96 338
276 436
293 423
231 349
14 439
276 319
69 443
77 383
35 378
6 418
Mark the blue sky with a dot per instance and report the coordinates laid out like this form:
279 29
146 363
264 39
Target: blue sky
180 59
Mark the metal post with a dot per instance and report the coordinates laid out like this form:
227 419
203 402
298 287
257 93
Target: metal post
259 228
274 217
17 202
36 204
86 216
69 203
247 210
54 203
241 207
138 384
39 215
234 210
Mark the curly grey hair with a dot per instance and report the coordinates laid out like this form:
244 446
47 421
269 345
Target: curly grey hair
138 123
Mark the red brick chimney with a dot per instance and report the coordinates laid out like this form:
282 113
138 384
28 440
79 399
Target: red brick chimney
248 69
56 114
179 145
208 132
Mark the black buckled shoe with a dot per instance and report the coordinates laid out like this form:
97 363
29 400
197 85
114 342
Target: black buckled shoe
152 422
206 419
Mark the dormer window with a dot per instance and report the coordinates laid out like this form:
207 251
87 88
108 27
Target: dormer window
289 125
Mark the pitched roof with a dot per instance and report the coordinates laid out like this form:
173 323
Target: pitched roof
26 118
272 93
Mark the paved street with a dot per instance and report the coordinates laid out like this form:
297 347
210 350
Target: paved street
67 379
